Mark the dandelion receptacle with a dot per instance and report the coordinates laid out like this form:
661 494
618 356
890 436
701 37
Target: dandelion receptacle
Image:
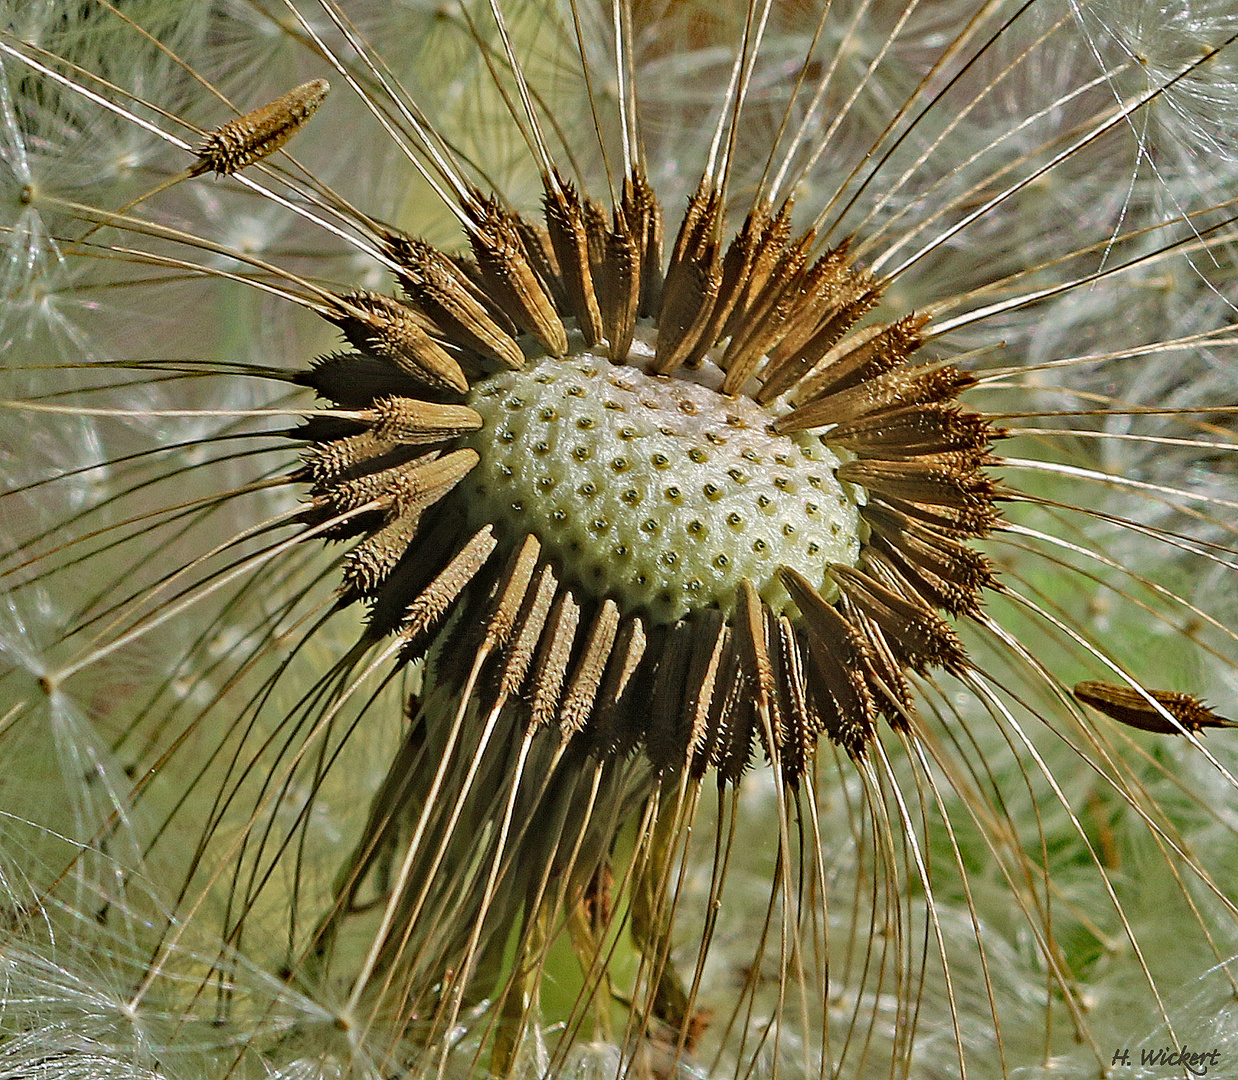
624 539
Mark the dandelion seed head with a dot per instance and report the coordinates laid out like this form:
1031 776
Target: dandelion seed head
474 814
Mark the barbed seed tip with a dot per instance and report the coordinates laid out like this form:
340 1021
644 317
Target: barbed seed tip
258 134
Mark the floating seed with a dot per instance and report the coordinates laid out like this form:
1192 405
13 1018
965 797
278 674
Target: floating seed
1131 707
259 133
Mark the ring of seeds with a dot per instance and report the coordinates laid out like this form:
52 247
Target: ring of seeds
714 489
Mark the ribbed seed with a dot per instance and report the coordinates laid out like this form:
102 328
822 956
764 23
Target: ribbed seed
1131 707
511 281
259 133
565 222
390 330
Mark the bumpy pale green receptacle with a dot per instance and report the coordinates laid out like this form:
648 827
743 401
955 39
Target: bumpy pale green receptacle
660 492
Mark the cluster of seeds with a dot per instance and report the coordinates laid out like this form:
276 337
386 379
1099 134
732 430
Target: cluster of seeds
745 528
